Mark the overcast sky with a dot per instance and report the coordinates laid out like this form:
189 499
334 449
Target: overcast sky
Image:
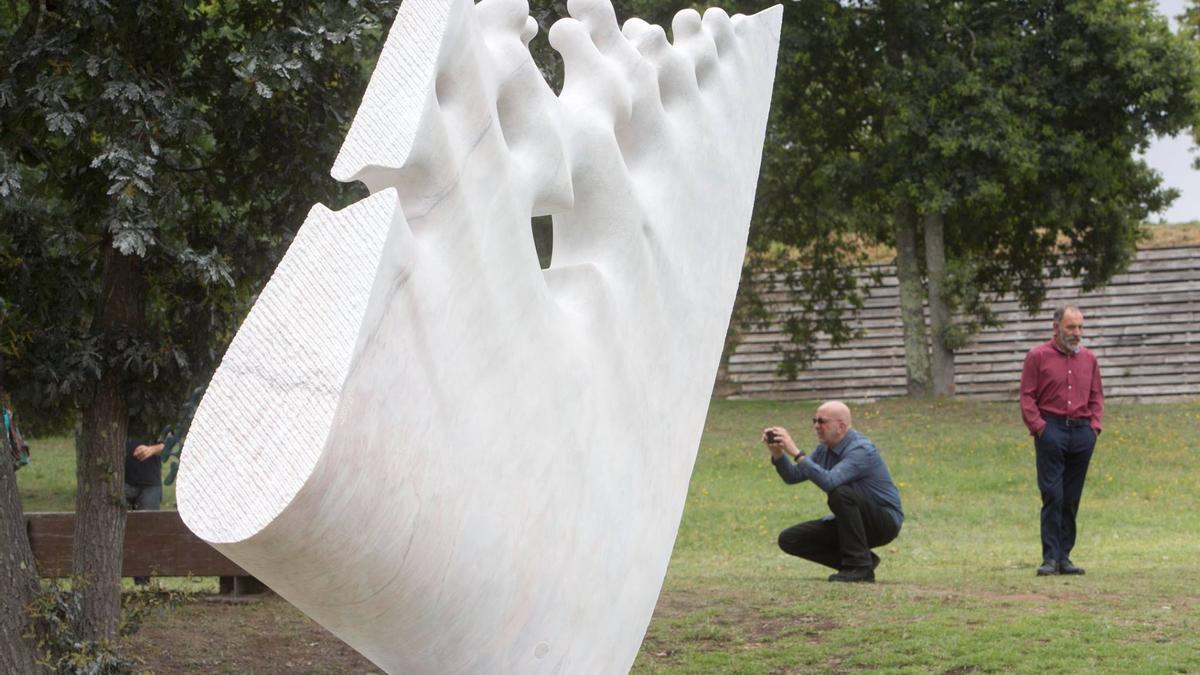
1172 157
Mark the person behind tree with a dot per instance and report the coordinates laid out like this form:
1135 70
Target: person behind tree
20 449
143 480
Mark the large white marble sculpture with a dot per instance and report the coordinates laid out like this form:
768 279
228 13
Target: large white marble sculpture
454 460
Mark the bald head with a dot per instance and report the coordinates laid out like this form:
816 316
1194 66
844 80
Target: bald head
832 421
835 410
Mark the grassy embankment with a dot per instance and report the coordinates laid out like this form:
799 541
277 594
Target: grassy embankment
1152 235
956 591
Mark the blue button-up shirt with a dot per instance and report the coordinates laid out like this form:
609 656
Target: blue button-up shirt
854 461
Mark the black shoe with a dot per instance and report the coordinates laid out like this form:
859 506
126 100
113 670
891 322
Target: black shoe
1067 567
853 574
1048 568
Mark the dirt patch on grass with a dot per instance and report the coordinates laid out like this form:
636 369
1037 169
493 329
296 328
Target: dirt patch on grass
201 634
709 623
750 623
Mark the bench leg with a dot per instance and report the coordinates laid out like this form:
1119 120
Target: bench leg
236 587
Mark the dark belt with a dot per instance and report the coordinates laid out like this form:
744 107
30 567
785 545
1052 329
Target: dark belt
1067 421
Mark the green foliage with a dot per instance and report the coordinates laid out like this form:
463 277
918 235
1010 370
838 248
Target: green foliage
191 135
1190 28
1018 122
54 614
174 435
804 222
825 290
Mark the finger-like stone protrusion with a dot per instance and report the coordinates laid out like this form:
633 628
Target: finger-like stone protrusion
646 133
506 16
635 30
718 24
461 81
591 82
696 43
529 31
526 109
685 24
601 22
676 74
600 19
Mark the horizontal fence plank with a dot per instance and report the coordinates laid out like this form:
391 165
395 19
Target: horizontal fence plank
1144 326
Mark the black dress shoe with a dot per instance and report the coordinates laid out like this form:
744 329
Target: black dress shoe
854 574
1067 567
1048 568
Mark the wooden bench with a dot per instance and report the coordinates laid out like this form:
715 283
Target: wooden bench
157 544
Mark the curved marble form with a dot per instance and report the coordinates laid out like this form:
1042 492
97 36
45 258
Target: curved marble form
454 460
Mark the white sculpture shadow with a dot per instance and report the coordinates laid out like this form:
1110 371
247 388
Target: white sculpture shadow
456 461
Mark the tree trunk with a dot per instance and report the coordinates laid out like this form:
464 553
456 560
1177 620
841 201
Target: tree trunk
912 310
100 457
939 312
18 571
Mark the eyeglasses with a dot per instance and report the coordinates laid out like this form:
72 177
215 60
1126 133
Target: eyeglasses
821 420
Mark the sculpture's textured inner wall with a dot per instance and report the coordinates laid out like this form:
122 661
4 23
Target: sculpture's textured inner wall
261 443
452 459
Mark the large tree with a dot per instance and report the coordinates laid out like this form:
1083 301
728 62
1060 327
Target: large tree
18 571
155 160
992 143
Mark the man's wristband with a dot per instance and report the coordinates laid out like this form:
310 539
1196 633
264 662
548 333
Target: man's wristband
799 457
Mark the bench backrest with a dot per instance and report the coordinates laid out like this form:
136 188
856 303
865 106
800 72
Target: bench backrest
157 543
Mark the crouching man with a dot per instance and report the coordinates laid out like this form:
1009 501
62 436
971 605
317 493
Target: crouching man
864 501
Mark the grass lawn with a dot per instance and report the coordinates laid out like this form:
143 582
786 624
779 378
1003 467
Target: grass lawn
956 591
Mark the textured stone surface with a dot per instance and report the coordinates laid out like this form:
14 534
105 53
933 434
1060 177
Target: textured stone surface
455 460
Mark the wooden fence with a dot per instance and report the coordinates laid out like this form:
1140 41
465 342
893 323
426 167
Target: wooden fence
1144 327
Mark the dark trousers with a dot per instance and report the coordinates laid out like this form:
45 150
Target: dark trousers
858 525
143 498
1063 455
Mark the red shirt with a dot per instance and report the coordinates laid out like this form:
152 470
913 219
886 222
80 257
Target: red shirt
1063 384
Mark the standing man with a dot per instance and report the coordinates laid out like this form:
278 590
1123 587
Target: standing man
1062 403
143 480
864 500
